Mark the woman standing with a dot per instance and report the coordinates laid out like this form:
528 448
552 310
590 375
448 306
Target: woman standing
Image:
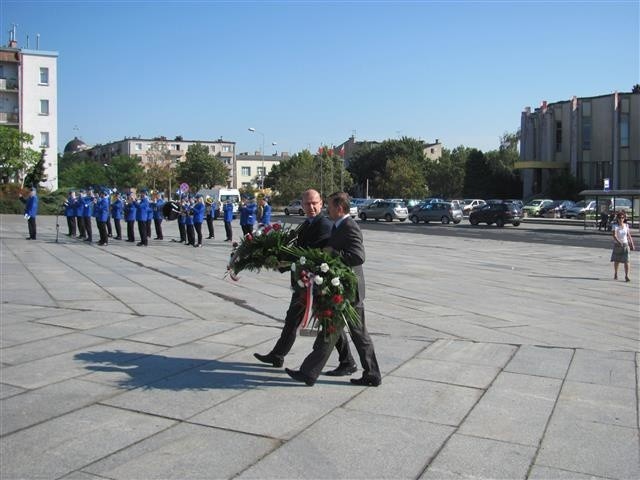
622 243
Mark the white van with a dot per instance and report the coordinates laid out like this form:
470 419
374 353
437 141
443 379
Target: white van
220 195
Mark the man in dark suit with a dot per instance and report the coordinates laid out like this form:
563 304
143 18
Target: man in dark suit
345 241
313 233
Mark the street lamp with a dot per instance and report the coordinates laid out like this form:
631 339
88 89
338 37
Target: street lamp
253 130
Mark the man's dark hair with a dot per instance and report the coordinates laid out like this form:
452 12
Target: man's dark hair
340 199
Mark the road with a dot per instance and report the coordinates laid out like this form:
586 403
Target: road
573 235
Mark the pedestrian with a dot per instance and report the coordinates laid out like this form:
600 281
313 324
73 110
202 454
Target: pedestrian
265 212
101 210
70 213
158 216
130 215
227 211
117 208
198 218
622 243
210 213
88 201
314 232
142 214
346 242
31 211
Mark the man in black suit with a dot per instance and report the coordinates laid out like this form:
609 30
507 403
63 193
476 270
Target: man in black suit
345 241
313 233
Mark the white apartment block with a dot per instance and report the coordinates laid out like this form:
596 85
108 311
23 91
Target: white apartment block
163 149
29 100
250 170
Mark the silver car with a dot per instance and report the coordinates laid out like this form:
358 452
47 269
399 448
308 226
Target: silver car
444 212
384 209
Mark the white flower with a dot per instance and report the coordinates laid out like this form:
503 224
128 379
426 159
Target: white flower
324 268
318 280
335 281
302 260
325 291
257 233
300 283
293 266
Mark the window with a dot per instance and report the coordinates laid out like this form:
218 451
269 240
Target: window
586 126
44 107
138 146
624 130
558 136
226 148
213 148
44 76
176 146
261 171
246 171
44 139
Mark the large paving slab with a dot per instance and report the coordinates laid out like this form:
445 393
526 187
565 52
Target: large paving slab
500 359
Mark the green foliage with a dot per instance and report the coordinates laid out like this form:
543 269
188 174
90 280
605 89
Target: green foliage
445 177
81 174
403 179
200 169
371 164
566 186
125 172
160 174
490 175
36 174
15 158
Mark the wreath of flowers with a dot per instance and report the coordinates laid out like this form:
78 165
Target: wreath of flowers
327 286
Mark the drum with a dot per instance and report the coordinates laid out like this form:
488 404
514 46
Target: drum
171 210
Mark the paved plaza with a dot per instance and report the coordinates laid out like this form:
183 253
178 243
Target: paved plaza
500 360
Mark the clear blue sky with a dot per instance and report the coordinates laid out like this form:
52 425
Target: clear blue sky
307 73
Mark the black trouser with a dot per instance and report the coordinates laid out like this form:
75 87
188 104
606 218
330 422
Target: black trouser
198 228
149 228
87 228
81 229
142 230
289 331
116 223
157 222
102 230
191 234
31 225
108 224
71 223
183 232
131 237
228 231
247 228
210 226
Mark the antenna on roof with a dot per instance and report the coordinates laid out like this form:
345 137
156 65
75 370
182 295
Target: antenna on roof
37 41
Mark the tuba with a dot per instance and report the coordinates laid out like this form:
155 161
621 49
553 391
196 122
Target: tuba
171 210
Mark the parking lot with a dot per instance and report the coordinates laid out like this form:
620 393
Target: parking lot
503 356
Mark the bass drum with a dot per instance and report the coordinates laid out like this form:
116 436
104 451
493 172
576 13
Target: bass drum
171 210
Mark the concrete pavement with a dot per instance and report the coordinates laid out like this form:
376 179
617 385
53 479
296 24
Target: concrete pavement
500 360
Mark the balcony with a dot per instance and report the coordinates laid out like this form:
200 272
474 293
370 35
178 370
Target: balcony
8 84
9 118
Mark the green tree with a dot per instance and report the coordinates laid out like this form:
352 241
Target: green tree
403 179
125 171
15 158
564 185
293 176
159 169
36 175
445 177
82 174
200 169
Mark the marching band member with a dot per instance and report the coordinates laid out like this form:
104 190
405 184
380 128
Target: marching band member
88 201
142 215
265 217
116 213
30 211
191 237
70 213
227 210
210 215
182 219
80 215
130 215
101 210
198 216
158 216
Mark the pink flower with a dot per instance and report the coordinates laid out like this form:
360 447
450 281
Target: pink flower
276 226
337 299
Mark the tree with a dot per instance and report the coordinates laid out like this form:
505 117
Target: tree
445 177
83 174
36 175
15 158
200 169
159 166
125 171
565 185
402 179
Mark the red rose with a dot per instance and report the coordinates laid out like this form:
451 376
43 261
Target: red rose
337 299
327 313
276 226
248 237
266 229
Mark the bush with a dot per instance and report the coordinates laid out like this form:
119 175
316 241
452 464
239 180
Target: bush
49 203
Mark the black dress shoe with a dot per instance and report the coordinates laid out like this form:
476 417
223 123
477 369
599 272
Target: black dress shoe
118 238
300 377
366 381
342 371
270 358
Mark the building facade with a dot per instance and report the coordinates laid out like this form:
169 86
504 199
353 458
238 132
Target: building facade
594 138
250 170
161 149
29 100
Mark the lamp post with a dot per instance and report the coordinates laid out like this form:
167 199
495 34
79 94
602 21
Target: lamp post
253 130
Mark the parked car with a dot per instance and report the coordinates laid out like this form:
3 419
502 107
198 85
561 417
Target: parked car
580 209
384 209
498 213
470 204
558 208
458 204
532 209
366 202
353 210
294 207
516 202
443 212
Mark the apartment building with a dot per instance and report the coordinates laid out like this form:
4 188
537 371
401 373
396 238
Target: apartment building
250 170
348 148
163 149
595 138
29 100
